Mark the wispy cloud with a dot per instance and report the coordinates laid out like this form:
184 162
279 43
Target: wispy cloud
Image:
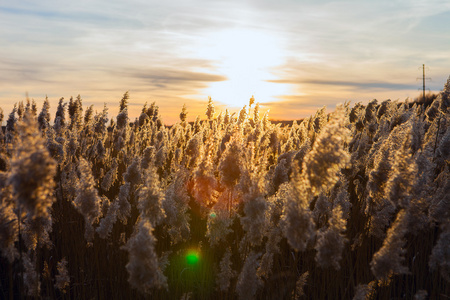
172 76
351 84
61 15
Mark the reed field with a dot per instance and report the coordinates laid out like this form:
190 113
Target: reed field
352 203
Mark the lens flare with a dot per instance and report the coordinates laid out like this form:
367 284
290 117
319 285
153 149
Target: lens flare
192 257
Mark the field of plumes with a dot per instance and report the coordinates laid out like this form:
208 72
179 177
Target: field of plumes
348 204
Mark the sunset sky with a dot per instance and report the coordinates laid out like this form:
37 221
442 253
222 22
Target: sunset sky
293 56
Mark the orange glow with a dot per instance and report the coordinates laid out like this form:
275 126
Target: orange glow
203 190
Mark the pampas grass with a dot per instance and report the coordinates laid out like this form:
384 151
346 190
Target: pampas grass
346 204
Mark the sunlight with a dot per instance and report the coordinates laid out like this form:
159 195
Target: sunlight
246 57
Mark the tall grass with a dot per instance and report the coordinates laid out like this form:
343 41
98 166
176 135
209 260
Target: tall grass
348 204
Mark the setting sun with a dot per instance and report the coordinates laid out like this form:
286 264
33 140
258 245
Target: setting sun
246 58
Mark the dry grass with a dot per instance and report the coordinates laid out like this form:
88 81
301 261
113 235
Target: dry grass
350 204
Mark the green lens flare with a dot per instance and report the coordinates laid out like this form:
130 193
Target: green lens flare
192 257
213 215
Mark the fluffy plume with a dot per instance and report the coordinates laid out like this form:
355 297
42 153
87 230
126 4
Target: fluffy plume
342 198
36 231
389 259
272 247
230 162
106 224
110 177
330 242
143 266
218 226
151 197
254 222
87 200
32 171
31 277
194 150
440 202
1 117
62 279
328 155
124 207
133 174
440 256
210 109
248 282
32 181
176 207
9 229
378 207
404 171
298 224
204 183
44 115
300 285
444 147
147 157
226 273
364 291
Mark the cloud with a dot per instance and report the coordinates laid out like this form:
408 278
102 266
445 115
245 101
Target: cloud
354 84
51 14
172 76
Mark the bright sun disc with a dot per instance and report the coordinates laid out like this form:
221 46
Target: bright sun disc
246 58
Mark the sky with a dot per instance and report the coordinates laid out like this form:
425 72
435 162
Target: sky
294 56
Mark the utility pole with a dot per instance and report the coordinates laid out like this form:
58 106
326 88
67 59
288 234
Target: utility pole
423 80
